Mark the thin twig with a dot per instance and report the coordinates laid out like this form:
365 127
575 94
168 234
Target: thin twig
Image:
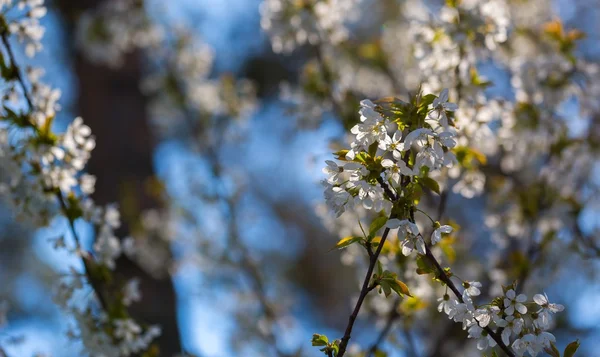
363 293
394 315
16 69
446 280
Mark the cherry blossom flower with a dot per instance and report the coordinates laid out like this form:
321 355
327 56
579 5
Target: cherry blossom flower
446 304
513 302
484 340
436 236
396 169
510 325
441 106
393 144
472 288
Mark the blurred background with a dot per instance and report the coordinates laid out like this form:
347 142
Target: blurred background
215 163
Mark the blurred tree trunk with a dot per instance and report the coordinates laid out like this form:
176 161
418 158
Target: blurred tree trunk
111 104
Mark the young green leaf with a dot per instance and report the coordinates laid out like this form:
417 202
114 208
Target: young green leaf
319 340
423 266
571 349
430 184
373 150
400 288
376 225
344 242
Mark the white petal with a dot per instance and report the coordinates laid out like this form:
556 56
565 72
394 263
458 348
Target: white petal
387 163
394 223
540 299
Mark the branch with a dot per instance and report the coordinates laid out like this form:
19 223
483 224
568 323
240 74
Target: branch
18 75
59 194
444 278
363 293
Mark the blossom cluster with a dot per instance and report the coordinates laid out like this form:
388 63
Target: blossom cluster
373 150
449 44
43 177
25 26
292 23
193 96
377 175
521 324
117 27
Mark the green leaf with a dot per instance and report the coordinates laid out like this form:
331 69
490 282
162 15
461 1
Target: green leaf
494 354
571 349
400 288
552 350
413 192
373 149
430 184
341 154
344 242
389 281
376 225
385 286
361 157
425 102
423 266
319 340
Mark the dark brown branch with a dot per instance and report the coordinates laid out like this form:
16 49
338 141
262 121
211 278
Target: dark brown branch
363 294
446 280
441 274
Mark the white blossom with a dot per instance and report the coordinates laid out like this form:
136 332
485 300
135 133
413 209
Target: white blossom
436 236
513 302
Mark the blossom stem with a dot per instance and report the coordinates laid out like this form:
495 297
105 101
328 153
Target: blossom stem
425 213
65 209
31 107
